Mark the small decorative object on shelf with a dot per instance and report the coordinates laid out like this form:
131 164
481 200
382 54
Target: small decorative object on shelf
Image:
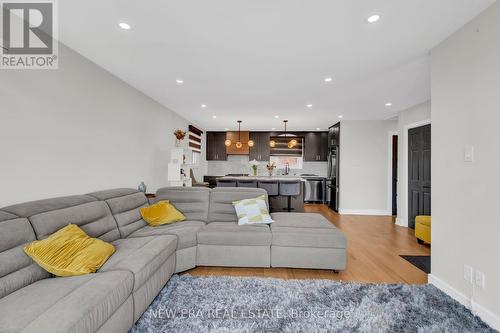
254 164
270 168
142 187
179 136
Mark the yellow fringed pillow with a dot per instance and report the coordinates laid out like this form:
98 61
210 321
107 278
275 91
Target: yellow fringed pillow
162 212
70 251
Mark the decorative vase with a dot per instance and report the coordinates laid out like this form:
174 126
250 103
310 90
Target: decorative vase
254 168
142 187
270 171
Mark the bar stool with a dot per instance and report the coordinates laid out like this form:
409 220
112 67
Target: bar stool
289 188
271 186
226 182
246 183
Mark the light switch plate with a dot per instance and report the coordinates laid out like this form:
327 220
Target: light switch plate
469 153
468 273
480 279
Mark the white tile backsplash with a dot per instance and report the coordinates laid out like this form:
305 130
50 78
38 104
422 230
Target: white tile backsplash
240 164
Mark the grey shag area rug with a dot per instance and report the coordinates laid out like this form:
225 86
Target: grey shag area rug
233 304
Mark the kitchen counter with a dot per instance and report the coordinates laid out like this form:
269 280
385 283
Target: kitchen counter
263 178
277 203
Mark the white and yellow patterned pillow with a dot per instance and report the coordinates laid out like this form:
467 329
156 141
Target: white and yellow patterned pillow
252 211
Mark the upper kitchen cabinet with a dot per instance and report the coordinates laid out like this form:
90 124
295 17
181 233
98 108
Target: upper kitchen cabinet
216 150
261 150
316 146
334 135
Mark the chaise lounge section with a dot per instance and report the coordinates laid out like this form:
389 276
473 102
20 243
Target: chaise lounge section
111 300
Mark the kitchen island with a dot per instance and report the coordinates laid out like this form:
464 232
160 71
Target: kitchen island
277 203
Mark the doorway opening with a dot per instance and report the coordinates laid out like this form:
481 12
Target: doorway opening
419 173
394 175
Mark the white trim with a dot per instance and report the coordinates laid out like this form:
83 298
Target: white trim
486 315
364 212
404 169
389 171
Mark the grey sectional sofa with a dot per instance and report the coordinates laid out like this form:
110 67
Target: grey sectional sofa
31 300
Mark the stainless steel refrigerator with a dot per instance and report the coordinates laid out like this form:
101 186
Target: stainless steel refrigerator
333 179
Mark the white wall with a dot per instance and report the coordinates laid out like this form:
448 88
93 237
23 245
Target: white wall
364 167
466 197
410 118
79 129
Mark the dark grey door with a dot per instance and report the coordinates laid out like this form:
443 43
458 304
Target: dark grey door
419 173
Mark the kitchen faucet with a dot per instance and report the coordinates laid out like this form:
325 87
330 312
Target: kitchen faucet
287 169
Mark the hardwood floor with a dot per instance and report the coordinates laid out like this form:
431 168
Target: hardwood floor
374 246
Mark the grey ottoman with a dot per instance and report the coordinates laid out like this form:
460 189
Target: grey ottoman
307 240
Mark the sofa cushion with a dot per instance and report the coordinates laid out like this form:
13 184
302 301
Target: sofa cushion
124 205
142 256
31 208
308 237
230 233
94 218
17 270
252 211
221 207
69 252
301 220
160 213
191 201
69 304
185 231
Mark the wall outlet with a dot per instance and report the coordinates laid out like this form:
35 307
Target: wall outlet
468 273
480 279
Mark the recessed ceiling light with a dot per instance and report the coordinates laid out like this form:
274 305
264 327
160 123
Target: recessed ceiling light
328 79
388 104
373 18
274 128
179 81
124 26
203 105
309 106
317 128
226 129
340 117
214 116
276 117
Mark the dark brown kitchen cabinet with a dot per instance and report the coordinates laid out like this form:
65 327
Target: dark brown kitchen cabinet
261 150
216 150
316 146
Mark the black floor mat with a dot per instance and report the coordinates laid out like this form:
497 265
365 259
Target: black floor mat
421 262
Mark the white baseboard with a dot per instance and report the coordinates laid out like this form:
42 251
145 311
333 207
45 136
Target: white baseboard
364 212
401 222
486 315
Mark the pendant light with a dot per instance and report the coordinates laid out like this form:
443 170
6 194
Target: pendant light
292 143
238 144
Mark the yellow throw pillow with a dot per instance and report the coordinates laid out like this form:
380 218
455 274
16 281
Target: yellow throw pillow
70 251
162 212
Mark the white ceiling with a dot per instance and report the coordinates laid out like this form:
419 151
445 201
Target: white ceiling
253 59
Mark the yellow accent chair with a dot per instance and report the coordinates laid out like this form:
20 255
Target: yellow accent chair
423 229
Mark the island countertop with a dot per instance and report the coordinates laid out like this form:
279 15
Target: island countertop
264 178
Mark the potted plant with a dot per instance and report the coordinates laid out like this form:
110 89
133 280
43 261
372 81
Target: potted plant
255 165
179 136
270 168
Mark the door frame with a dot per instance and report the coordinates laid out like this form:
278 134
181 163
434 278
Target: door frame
390 134
402 219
